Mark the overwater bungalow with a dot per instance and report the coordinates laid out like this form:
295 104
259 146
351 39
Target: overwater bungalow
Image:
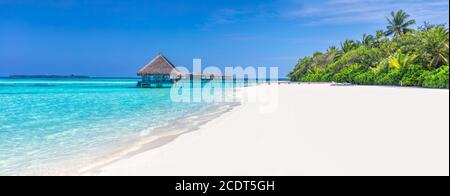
161 73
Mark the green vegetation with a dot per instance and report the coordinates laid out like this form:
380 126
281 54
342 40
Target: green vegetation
400 56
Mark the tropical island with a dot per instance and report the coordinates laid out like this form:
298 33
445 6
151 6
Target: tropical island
318 125
398 56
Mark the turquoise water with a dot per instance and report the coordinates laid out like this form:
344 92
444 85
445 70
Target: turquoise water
44 121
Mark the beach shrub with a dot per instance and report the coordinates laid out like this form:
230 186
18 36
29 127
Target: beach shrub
438 78
311 78
390 78
348 73
412 75
401 60
366 78
327 77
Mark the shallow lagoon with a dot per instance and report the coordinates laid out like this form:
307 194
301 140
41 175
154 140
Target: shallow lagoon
44 121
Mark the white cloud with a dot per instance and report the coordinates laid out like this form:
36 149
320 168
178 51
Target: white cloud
374 11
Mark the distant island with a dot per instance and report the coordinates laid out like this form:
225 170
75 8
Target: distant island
47 76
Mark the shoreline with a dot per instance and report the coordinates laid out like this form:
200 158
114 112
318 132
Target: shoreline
318 129
153 138
146 139
159 137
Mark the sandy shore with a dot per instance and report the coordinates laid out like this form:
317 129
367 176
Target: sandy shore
315 129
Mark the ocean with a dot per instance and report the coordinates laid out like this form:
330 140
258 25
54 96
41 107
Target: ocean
47 121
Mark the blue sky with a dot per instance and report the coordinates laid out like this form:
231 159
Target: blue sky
115 38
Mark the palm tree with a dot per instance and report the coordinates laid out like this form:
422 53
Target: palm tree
398 24
435 43
368 40
335 52
380 37
332 49
349 45
380 34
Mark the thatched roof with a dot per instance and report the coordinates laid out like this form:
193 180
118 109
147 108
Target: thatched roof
159 66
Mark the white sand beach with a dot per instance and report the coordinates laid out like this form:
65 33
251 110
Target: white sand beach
316 129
